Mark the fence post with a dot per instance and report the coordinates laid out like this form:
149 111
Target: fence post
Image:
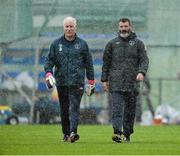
160 90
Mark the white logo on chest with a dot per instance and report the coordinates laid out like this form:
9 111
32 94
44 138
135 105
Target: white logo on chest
60 47
77 46
131 43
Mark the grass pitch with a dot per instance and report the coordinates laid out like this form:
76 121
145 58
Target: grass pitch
94 140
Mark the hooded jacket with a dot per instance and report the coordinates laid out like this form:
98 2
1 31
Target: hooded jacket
123 59
72 61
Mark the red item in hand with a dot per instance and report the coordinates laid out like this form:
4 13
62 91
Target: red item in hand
48 74
91 82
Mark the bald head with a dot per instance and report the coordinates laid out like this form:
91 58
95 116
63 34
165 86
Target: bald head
70 19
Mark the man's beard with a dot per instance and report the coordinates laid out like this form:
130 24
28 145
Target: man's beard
124 34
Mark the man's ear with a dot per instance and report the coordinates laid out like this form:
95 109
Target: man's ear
130 28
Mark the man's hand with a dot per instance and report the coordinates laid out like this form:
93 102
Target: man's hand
50 81
90 87
105 86
140 77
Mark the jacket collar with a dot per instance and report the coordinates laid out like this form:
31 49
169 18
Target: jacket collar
68 40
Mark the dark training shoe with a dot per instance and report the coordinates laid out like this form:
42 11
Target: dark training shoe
66 138
117 138
74 137
126 138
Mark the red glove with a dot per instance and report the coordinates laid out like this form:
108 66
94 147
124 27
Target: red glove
90 87
48 74
91 82
50 81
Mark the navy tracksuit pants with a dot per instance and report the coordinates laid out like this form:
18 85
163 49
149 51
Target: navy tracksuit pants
69 99
123 111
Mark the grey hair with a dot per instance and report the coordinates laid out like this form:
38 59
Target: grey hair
70 19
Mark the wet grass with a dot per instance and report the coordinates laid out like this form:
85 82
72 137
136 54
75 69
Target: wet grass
94 140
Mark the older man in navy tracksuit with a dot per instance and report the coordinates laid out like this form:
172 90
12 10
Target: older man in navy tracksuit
72 60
